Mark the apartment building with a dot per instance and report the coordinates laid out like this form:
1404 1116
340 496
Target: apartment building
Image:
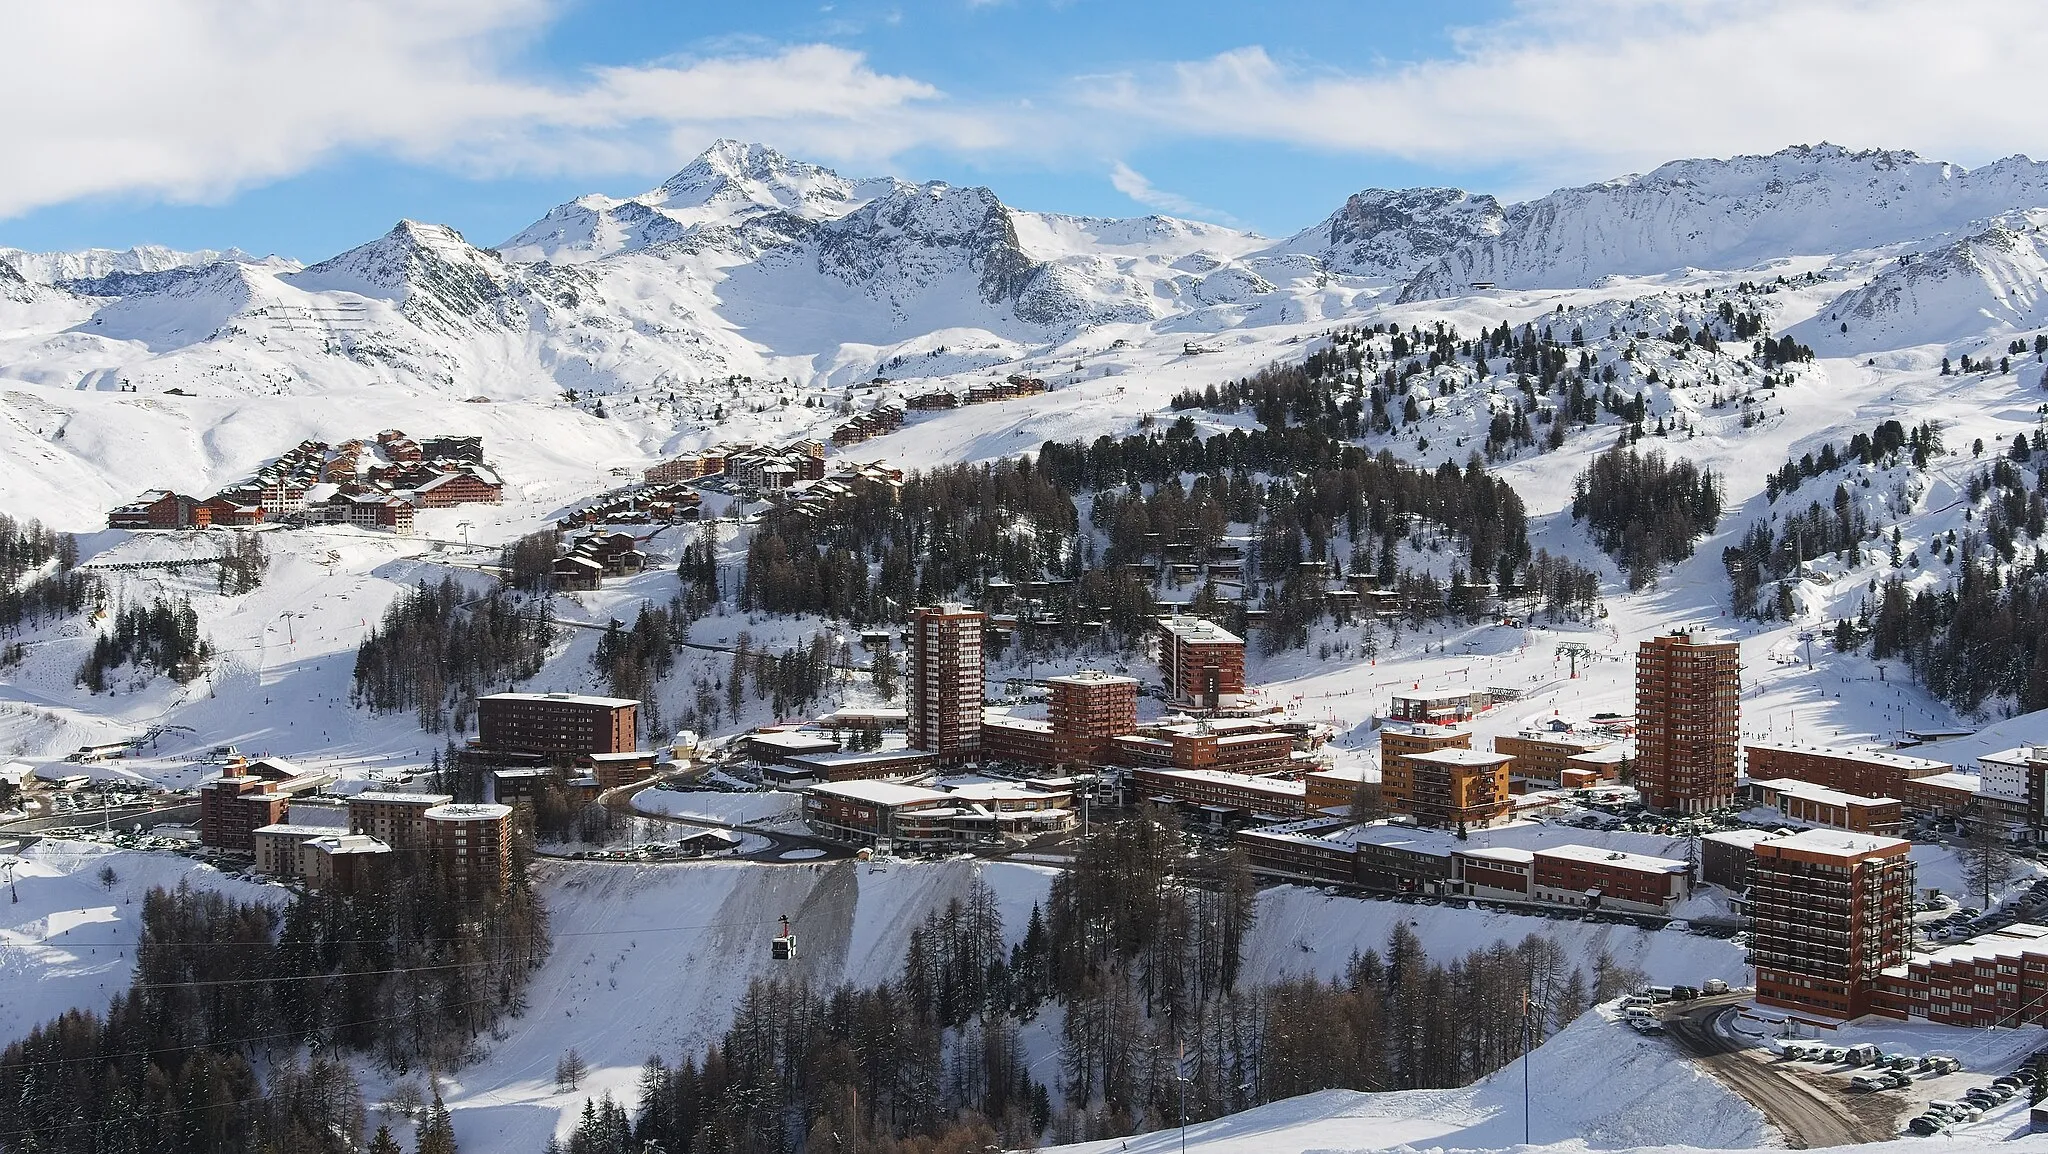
1449 787
1218 790
1688 716
1201 663
557 723
1831 911
1995 980
945 689
1544 756
1087 709
1581 876
474 844
1868 773
321 856
396 819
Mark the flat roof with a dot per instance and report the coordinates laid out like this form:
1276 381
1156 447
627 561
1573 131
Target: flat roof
1456 756
576 698
1618 859
335 843
1954 779
1873 756
1199 630
1224 777
483 811
1796 788
792 739
292 829
858 757
1500 853
394 797
1005 721
880 792
1838 842
1745 838
1091 677
2016 939
1343 773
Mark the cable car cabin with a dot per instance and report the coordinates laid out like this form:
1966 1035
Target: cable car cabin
783 948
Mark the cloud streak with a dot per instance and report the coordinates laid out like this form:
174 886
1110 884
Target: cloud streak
192 100
1133 184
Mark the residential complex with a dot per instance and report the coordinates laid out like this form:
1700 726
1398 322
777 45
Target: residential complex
1688 702
1451 788
559 724
1830 912
1086 710
1867 773
474 844
1202 663
946 682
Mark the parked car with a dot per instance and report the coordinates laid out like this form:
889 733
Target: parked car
1837 1054
1895 1079
1713 986
1866 1084
1926 1126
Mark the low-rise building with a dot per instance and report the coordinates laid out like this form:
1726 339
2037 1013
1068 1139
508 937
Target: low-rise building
1997 980
864 812
1221 791
1726 855
1438 705
1864 772
1545 755
1818 805
1337 786
321 856
1018 740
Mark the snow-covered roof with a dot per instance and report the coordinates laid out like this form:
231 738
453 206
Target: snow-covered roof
1836 842
479 811
1091 677
396 797
577 698
1616 859
880 792
1500 853
1455 756
1872 756
292 829
1199 631
1240 780
1793 787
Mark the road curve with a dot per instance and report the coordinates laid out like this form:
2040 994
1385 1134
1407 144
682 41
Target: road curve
1809 1117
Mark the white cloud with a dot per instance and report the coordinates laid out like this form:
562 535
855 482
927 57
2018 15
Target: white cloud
192 99
1581 89
1133 184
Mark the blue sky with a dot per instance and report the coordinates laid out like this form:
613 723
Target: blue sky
305 129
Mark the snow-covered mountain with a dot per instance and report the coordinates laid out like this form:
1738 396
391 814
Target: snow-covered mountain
1733 214
57 268
750 262
1395 232
1997 278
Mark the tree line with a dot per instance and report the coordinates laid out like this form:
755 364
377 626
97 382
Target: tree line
161 637
1140 947
235 1031
437 647
1645 510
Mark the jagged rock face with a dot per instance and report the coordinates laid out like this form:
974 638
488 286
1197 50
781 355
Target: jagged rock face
911 238
1731 214
1385 232
437 279
12 286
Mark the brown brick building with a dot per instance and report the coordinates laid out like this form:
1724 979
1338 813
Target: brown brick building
1997 980
1201 662
1545 756
1830 912
1867 773
946 690
1086 710
474 843
1210 787
1688 716
396 819
557 723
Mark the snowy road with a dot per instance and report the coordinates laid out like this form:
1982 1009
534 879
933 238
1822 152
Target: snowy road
1809 1118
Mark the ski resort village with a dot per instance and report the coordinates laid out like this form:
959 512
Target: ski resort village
789 661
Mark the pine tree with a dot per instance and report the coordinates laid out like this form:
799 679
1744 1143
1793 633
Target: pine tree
437 1134
383 1143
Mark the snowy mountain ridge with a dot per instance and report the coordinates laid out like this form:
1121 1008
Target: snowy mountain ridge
1733 214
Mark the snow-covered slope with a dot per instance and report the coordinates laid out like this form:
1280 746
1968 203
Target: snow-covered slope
1392 233
1733 214
1994 279
56 268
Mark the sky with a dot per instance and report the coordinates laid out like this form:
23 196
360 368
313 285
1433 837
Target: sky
304 129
